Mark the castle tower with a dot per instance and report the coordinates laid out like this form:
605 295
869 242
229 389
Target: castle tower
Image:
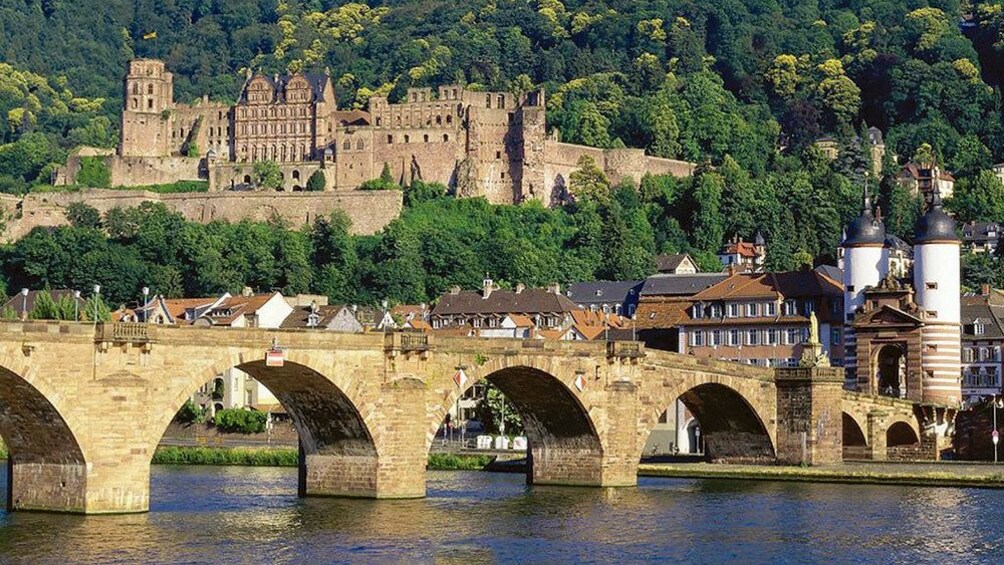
936 280
865 264
148 93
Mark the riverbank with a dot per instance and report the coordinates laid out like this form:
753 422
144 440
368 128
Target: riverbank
910 474
286 457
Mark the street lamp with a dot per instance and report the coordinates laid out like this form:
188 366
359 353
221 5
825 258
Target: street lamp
146 293
97 295
24 303
76 305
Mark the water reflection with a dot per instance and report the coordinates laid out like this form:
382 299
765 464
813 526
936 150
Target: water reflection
241 515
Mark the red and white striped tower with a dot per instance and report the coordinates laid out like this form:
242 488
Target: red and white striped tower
936 281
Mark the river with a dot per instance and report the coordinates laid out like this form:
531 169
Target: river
252 515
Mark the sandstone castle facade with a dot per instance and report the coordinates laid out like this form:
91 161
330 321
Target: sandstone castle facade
490 144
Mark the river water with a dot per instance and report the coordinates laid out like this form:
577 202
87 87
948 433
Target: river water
252 515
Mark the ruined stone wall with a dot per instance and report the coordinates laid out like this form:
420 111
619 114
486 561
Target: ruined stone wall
431 161
142 171
560 159
369 211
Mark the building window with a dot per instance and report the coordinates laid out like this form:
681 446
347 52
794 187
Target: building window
697 339
931 286
834 336
850 288
807 308
716 310
715 338
790 309
770 309
751 310
498 154
733 310
770 337
979 328
407 138
697 312
390 140
149 104
734 337
753 337
793 336
932 313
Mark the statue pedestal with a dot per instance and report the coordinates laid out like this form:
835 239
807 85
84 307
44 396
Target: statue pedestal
813 356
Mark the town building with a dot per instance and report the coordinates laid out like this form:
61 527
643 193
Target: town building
487 308
980 237
612 297
763 318
332 317
663 305
491 144
924 178
903 337
675 264
744 255
982 338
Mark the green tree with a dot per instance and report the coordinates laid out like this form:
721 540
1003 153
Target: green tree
94 173
708 222
493 409
589 182
82 215
316 182
978 198
267 175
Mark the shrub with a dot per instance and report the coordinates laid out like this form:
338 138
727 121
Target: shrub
316 182
94 173
191 413
83 215
280 457
267 174
240 421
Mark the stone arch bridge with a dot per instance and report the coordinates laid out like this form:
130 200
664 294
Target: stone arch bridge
83 406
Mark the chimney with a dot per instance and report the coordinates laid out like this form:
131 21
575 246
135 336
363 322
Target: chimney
487 286
520 287
984 290
454 290
247 291
554 288
732 269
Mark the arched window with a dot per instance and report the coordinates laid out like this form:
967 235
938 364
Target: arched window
501 103
378 121
296 174
149 89
135 104
449 119
488 100
135 88
303 152
360 144
446 137
292 153
347 144
407 138
247 179
439 120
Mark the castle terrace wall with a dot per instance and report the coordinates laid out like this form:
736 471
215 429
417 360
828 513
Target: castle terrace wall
141 171
369 211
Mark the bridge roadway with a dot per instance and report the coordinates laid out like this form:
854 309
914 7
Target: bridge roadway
83 406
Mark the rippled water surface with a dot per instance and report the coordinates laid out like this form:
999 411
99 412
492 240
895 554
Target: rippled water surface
245 515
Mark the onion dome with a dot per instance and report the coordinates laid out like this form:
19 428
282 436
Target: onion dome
865 230
935 226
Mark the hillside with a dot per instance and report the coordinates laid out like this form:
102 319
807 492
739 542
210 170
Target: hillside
743 85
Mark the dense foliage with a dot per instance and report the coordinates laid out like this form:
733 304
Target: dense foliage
240 421
742 87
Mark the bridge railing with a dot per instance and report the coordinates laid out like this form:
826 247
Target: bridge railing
625 349
408 342
121 332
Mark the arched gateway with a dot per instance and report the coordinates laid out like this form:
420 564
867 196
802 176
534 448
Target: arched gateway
83 406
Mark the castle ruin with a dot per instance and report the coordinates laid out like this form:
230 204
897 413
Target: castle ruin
490 144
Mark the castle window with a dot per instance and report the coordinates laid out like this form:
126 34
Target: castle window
931 286
498 154
501 103
449 119
149 89
425 138
360 144
135 103
502 175
439 120
488 101
390 139
850 288
296 175
446 137
135 89
149 104
407 138
347 144
219 115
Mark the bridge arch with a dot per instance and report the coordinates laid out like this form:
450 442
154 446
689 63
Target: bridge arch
339 455
564 444
46 465
737 425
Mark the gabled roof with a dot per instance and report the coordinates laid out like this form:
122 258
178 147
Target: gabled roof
317 82
981 308
831 272
667 263
680 285
300 316
529 301
177 307
790 284
886 315
741 248
660 313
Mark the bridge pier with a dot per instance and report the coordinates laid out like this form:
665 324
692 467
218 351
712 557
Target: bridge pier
51 487
809 415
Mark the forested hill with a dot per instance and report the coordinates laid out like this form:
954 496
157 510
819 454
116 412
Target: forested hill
902 65
743 85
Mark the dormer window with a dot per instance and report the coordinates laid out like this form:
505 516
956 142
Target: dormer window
698 311
979 328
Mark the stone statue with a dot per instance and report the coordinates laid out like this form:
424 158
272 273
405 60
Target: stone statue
813 328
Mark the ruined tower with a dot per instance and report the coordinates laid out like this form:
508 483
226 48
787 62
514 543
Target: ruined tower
148 92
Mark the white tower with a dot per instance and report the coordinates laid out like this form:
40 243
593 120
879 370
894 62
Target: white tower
865 264
936 281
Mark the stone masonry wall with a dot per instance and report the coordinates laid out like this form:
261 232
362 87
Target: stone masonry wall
369 211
